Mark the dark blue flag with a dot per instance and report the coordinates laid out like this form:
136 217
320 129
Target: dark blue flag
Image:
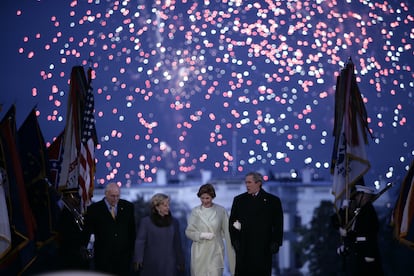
35 165
22 223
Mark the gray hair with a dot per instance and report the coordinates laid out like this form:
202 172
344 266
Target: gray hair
257 177
112 186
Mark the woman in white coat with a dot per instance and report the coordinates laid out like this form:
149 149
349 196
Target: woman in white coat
208 228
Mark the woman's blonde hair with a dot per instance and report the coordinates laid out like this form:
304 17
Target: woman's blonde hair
157 199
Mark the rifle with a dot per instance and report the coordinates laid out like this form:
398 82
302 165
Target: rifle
380 193
70 203
343 250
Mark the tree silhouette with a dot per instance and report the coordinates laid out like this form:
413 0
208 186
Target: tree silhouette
318 241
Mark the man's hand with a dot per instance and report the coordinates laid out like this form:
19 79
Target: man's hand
86 254
181 267
237 225
369 259
342 232
274 247
137 266
342 250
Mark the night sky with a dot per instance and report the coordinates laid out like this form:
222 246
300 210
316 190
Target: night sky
225 86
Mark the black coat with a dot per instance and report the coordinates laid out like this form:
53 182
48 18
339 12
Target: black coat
261 233
363 242
114 238
70 243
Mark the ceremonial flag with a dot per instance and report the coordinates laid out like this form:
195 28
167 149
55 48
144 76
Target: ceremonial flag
5 235
87 149
22 223
77 169
349 159
35 165
69 173
55 154
404 210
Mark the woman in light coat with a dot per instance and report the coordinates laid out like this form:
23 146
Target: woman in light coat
208 229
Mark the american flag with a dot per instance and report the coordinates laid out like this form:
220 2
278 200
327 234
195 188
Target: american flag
87 150
69 171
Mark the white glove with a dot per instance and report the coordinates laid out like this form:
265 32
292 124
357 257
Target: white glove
206 235
237 225
369 259
91 242
340 250
342 232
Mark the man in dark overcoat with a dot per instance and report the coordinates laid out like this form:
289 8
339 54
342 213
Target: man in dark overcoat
112 221
256 228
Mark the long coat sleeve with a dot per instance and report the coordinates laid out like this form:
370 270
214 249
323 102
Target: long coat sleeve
261 232
364 236
114 238
207 256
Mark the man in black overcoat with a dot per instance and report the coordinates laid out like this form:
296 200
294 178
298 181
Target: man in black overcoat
114 234
256 228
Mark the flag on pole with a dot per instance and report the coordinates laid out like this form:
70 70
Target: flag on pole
35 166
404 210
21 219
55 154
69 173
349 160
5 235
87 148
77 169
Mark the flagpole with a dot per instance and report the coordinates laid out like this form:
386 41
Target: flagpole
349 160
346 131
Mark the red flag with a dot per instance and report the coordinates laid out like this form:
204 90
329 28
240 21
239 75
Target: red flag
349 160
35 165
14 170
21 218
5 235
404 210
55 154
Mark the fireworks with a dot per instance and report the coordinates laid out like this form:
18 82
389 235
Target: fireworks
226 86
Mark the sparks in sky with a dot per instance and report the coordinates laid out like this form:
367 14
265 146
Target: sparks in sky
224 86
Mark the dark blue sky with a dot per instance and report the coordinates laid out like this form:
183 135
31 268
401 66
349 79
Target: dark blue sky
226 86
